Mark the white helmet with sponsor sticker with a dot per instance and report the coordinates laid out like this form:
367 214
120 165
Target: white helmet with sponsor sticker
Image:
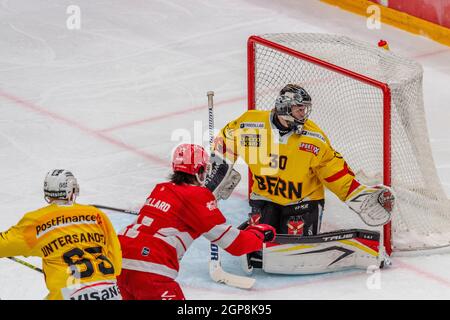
60 184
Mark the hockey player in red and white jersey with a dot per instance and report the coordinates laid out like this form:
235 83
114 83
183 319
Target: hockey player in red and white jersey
174 215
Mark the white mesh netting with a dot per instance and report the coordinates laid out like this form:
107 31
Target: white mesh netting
351 114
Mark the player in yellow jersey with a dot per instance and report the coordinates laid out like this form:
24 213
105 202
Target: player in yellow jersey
291 161
80 251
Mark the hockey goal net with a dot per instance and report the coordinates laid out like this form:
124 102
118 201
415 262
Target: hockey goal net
369 102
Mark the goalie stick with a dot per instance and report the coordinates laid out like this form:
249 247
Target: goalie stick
215 268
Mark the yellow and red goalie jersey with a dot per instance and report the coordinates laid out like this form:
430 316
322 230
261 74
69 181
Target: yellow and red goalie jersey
77 238
286 169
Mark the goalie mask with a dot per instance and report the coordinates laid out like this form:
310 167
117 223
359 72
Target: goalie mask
294 106
60 184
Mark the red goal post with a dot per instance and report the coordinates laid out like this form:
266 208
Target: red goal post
351 86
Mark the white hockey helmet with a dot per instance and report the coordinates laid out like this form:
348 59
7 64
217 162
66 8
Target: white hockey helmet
60 184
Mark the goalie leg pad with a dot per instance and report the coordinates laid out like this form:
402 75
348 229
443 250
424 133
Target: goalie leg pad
316 255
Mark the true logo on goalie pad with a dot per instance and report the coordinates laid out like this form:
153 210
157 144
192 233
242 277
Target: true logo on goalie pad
339 237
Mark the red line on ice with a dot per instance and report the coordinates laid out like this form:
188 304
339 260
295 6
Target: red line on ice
170 114
155 159
429 54
152 158
424 274
33 107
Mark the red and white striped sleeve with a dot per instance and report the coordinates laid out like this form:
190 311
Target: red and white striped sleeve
204 217
234 241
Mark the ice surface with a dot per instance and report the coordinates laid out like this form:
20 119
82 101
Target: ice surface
109 101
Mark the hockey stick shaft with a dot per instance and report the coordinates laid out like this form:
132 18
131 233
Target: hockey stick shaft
210 95
99 206
215 269
26 264
214 249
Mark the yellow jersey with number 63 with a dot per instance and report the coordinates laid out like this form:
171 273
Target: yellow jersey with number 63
286 169
78 246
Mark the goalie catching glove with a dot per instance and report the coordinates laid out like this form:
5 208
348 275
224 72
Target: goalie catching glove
373 204
223 178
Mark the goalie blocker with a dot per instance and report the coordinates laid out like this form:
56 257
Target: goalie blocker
326 252
222 179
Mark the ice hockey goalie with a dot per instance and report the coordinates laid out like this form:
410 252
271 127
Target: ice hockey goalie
292 161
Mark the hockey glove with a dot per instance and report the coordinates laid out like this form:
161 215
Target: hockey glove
223 178
373 204
265 232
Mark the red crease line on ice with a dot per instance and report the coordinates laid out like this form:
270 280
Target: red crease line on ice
52 115
424 274
33 107
170 114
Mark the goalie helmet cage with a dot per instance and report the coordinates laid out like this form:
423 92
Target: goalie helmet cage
369 103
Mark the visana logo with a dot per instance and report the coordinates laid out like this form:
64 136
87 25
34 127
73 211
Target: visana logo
100 291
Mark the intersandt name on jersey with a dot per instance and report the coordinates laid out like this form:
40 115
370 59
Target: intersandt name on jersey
72 239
